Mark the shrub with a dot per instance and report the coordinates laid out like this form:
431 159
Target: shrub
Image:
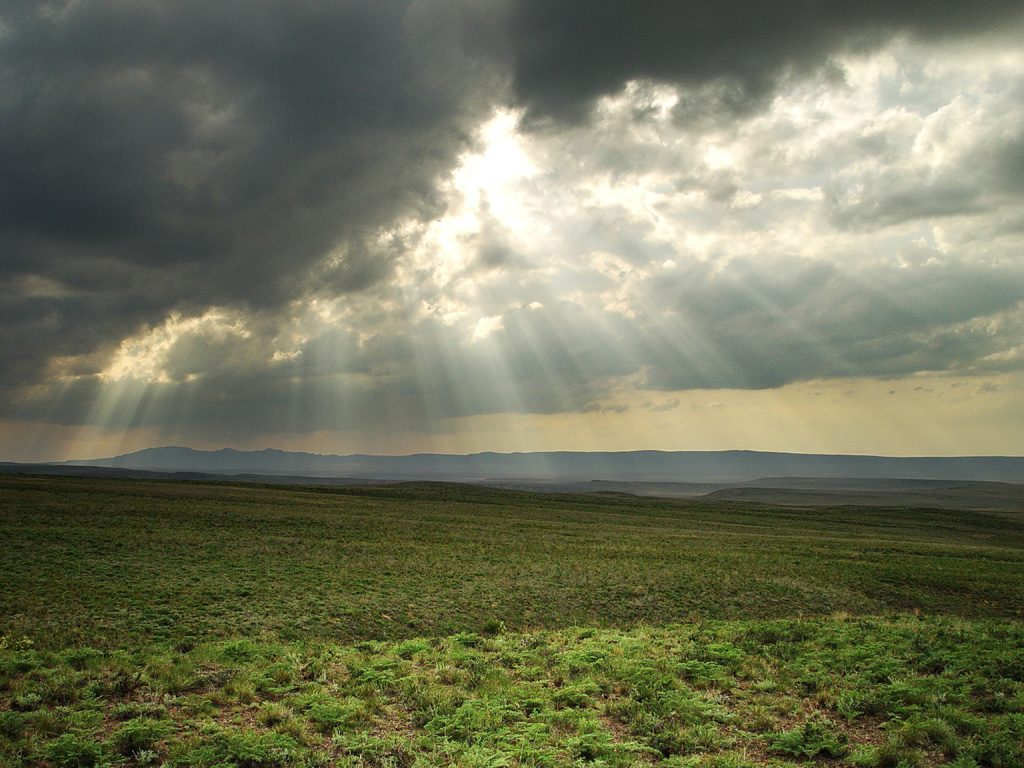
138 735
493 627
27 702
81 658
573 696
410 648
243 750
273 712
278 677
999 750
71 751
669 740
330 714
245 651
11 724
810 740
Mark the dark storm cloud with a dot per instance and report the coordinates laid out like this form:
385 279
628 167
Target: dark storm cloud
570 52
904 199
767 325
186 154
172 156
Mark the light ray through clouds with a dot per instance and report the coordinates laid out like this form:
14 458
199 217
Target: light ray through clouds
672 272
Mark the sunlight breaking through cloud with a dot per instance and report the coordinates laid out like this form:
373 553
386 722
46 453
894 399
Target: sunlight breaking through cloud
497 256
156 356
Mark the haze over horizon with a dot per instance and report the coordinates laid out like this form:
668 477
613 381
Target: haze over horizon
454 226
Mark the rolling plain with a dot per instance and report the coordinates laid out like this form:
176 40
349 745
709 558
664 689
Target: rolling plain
148 622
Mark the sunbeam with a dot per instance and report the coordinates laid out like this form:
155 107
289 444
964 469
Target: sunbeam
476 256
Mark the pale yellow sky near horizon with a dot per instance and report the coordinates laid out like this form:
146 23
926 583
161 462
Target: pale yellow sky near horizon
919 416
836 269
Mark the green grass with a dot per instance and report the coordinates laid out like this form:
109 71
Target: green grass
87 561
861 691
240 626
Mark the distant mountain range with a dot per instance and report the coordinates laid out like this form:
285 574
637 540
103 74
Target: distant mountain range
697 467
988 483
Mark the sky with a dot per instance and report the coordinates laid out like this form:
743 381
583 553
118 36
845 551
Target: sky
383 226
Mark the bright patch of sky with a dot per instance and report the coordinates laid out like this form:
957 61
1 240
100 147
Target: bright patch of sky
653 277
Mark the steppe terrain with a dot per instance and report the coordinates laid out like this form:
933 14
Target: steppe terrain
150 622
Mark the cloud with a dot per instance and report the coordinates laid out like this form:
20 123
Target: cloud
766 325
344 215
964 158
669 405
183 155
568 53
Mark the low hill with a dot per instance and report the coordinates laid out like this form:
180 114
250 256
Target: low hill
715 467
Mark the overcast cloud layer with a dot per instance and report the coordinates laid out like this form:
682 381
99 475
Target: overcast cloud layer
272 217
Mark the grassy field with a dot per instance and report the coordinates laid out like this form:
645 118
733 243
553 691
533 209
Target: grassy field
187 624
